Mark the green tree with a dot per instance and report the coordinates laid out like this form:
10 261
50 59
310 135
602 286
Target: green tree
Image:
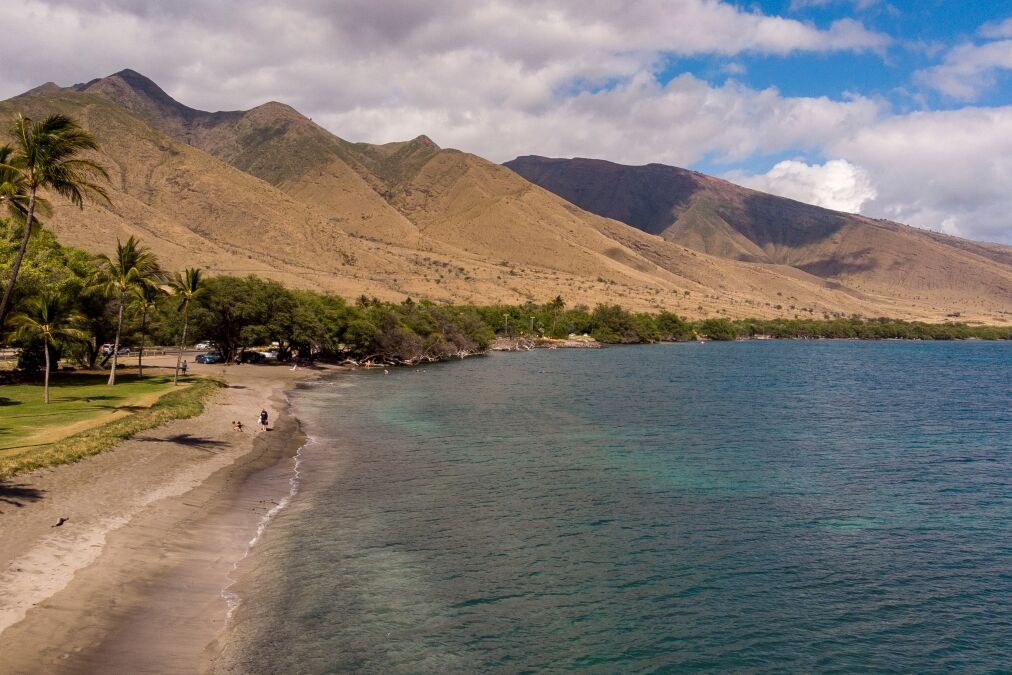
133 267
672 327
51 318
14 191
718 329
187 287
47 157
145 298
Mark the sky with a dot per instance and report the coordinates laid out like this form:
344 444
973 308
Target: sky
897 109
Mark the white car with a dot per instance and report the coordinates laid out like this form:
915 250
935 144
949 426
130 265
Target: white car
201 346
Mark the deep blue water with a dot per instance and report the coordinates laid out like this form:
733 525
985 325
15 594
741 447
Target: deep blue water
757 506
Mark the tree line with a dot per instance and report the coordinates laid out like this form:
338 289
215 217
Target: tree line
127 299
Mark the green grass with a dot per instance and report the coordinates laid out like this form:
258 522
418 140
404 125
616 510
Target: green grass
35 435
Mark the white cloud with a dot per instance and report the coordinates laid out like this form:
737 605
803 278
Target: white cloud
944 170
968 69
552 77
233 53
859 5
678 123
837 184
996 30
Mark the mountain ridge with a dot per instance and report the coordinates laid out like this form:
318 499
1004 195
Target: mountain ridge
715 216
409 218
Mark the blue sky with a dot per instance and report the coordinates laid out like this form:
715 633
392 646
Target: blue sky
892 108
922 32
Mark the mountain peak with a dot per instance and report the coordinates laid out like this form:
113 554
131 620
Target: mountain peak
136 93
276 107
46 89
135 82
425 140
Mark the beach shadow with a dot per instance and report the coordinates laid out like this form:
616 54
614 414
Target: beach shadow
4 402
18 494
188 440
237 386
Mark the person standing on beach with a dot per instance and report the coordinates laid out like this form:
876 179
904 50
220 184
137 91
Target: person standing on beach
263 420
183 367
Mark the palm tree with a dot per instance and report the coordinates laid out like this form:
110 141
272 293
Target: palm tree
188 287
47 158
14 193
134 266
145 297
51 317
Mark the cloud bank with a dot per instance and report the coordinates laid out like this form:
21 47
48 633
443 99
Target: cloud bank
553 77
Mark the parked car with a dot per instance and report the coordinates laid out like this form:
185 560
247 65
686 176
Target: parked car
251 357
108 347
209 357
201 346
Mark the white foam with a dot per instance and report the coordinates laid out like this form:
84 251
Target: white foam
232 599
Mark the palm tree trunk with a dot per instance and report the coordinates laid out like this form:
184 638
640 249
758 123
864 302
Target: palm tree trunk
9 291
115 346
45 388
140 354
182 341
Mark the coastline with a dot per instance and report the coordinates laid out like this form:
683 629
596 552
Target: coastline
133 582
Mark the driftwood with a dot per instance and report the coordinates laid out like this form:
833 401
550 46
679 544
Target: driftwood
382 361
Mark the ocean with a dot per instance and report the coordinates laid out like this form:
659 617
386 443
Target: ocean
765 506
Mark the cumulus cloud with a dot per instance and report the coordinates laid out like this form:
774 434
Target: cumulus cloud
969 69
837 184
679 123
552 77
947 170
231 52
995 30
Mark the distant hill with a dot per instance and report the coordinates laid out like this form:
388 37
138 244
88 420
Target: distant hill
875 257
270 192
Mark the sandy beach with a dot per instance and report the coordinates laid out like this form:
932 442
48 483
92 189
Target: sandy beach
132 581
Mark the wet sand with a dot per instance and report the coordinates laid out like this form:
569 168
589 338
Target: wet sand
132 581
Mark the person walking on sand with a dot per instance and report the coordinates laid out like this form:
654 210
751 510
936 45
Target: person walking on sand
263 420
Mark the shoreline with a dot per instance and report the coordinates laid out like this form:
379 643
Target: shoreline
135 581
138 583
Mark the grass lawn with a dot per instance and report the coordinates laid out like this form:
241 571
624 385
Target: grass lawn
86 416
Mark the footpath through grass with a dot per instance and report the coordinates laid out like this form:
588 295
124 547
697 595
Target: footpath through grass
85 416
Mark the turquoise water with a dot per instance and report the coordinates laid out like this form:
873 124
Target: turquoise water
759 506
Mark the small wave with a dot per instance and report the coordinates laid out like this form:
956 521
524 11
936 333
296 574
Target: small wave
231 598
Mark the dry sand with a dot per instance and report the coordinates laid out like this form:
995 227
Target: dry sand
133 581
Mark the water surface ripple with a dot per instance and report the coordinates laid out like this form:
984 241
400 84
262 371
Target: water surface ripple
764 506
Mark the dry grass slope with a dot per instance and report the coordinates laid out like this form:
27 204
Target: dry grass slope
269 192
897 267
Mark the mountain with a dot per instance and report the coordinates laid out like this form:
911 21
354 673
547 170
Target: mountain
270 192
875 257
